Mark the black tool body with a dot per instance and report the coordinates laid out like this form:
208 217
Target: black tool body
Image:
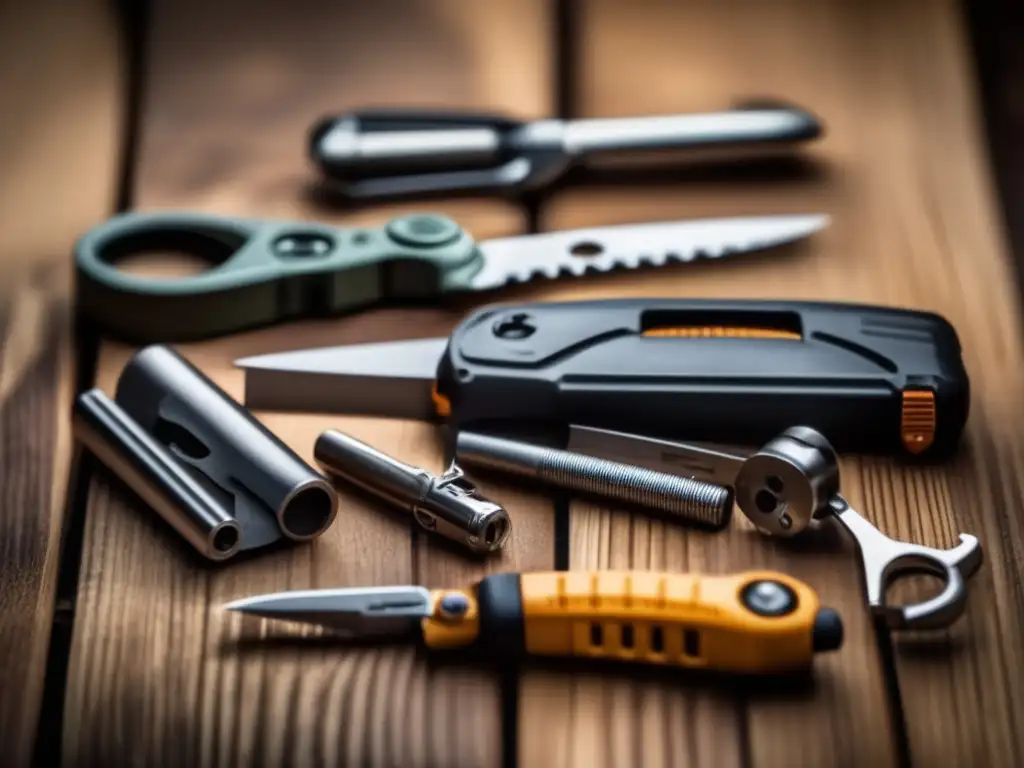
872 379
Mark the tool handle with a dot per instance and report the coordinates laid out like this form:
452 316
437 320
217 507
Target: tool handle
871 379
369 143
758 622
747 126
262 271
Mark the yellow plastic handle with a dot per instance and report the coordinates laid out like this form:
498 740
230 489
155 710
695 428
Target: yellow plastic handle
756 622
683 620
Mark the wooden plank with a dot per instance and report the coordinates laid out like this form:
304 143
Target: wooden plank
56 70
158 671
902 173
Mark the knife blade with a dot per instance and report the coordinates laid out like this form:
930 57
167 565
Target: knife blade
272 271
870 378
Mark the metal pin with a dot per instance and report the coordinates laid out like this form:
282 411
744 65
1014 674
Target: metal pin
445 504
680 497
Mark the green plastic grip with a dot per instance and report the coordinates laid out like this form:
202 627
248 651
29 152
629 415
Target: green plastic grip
263 272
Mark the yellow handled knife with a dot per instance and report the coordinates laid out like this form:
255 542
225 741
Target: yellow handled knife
756 622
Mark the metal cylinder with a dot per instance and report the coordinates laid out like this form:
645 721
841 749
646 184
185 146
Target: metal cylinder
444 504
680 497
789 482
685 131
148 468
349 151
183 409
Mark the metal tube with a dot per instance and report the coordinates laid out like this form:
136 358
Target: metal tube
583 137
444 504
149 469
349 151
681 497
179 406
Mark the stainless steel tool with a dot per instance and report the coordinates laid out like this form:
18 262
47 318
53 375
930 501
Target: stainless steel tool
680 498
265 271
391 154
788 485
446 504
218 476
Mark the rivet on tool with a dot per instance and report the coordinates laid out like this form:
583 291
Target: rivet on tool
769 598
302 244
453 605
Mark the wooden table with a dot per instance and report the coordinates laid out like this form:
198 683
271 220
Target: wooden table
113 645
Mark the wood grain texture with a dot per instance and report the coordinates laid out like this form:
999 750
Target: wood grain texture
902 173
49 190
159 673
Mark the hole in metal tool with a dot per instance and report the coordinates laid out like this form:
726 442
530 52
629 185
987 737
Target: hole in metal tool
172 434
307 512
225 539
495 532
586 248
765 501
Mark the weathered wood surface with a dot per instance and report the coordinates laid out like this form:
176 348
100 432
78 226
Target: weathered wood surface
157 669
158 674
58 70
903 173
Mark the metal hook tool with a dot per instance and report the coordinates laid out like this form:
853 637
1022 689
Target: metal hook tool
786 485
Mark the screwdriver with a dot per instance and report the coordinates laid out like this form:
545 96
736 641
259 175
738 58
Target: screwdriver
750 623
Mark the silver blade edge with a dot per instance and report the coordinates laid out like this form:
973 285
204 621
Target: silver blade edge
634 246
359 612
390 379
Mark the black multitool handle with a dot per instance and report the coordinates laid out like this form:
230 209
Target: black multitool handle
871 379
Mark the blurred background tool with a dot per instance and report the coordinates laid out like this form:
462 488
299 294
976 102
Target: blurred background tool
788 485
679 498
758 622
374 155
446 504
873 379
272 271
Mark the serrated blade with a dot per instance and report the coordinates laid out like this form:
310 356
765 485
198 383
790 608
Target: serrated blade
390 379
631 246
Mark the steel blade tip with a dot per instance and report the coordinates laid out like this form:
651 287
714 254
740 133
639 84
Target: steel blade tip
258 603
810 223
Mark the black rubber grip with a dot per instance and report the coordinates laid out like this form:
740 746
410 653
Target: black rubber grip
500 602
628 365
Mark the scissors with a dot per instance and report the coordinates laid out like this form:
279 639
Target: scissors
270 271
788 485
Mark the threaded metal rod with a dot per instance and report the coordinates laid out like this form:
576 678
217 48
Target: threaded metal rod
680 497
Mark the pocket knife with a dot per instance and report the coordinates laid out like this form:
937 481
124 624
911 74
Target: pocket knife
752 623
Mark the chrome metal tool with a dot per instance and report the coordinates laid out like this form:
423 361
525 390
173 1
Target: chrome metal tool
220 478
447 504
791 483
372 155
266 272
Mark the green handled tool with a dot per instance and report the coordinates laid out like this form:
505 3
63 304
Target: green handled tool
266 271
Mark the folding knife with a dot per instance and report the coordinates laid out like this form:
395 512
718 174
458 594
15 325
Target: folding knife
271 271
751 623
871 379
